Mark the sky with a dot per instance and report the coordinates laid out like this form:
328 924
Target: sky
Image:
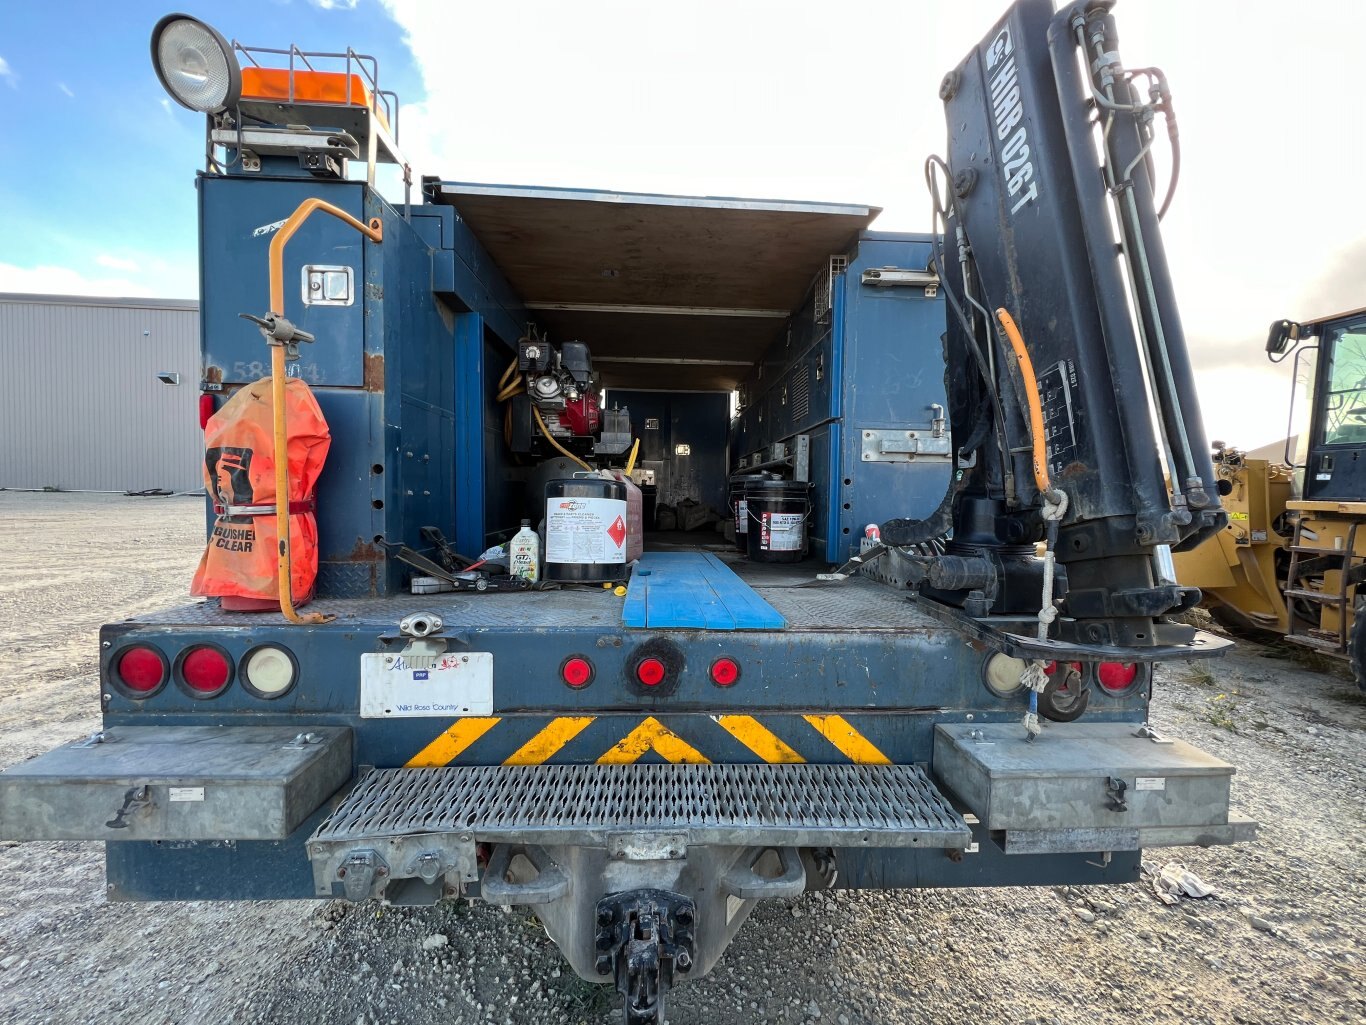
786 100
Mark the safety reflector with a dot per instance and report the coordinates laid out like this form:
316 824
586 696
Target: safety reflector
724 672
650 672
577 672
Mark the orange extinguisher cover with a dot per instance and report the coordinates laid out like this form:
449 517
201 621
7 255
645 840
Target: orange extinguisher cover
239 562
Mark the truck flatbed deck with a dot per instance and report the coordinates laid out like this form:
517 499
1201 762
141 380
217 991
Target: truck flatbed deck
855 606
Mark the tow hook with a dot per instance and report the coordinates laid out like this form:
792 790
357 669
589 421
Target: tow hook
1114 794
643 938
135 800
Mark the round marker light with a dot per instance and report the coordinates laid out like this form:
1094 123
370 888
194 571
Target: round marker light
576 672
1004 675
141 670
724 672
650 672
196 64
1116 676
269 671
205 670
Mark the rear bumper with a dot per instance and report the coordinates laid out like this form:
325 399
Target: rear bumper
1081 789
261 812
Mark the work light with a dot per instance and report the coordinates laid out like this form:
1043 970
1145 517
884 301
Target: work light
196 64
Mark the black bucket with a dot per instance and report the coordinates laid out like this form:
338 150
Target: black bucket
585 530
778 511
738 483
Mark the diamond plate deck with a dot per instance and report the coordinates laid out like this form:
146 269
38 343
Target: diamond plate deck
858 605
788 805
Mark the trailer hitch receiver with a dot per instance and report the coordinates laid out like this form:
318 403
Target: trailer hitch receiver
644 937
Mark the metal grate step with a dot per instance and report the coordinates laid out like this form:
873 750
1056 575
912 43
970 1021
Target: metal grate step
789 805
1328 645
1321 596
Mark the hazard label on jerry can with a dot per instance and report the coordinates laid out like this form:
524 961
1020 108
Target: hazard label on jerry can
585 531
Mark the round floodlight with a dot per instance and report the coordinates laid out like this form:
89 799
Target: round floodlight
196 64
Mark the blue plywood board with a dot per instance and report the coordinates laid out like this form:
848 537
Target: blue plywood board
693 590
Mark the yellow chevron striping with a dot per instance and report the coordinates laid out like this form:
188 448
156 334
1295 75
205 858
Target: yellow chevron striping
759 739
456 738
851 743
652 734
545 744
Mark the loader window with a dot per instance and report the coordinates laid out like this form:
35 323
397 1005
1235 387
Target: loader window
1345 403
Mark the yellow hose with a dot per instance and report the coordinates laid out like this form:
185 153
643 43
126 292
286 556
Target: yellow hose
374 231
540 420
631 459
1031 386
510 389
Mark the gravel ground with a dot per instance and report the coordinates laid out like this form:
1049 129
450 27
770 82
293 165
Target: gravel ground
1285 941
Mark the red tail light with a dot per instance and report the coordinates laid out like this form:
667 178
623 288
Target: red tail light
576 672
206 408
205 670
650 671
724 672
141 669
1114 676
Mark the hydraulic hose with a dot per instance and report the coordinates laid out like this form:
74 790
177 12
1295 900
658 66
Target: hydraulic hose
374 231
1031 389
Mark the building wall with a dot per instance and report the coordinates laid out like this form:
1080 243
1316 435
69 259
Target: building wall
81 407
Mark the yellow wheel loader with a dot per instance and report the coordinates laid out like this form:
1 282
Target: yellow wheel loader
1293 557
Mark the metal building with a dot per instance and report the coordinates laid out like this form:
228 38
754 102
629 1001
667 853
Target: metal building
99 394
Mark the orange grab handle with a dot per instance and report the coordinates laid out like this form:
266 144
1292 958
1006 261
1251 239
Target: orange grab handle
374 231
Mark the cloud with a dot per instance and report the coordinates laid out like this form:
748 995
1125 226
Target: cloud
50 280
9 74
118 263
1339 288
335 5
66 89
166 106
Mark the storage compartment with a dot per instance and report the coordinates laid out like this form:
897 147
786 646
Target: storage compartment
726 335
1086 787
176 783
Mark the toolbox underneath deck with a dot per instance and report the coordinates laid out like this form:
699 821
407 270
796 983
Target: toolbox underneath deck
1087 786
176 783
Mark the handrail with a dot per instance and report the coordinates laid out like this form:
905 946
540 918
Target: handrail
374 231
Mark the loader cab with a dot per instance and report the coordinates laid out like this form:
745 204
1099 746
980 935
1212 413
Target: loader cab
1335 468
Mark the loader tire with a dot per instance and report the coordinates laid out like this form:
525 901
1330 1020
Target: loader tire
1356 646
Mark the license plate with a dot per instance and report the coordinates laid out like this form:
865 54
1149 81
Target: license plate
458 684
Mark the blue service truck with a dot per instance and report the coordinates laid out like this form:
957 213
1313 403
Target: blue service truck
956 697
